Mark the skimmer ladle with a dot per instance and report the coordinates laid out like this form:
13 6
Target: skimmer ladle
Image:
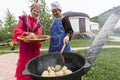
57 60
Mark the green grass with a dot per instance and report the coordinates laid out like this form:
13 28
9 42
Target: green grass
80 42
115 34
45 44
73 42
106 65
6 47
88 42
112 43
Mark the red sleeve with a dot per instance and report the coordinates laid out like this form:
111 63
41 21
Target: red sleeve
18 30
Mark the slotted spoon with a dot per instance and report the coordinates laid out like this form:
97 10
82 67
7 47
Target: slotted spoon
57 59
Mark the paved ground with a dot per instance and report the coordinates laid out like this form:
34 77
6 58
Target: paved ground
7 66
8 62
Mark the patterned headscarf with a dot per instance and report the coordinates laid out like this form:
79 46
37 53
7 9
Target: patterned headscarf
35 5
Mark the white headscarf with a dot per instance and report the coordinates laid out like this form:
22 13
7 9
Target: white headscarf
56 5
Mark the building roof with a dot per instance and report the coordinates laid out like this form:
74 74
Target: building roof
71 14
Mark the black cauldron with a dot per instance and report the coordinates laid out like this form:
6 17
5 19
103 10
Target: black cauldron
75 62
79 64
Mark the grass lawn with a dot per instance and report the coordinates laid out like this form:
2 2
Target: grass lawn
73 42
106 65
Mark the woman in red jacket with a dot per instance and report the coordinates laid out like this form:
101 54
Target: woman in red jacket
27 24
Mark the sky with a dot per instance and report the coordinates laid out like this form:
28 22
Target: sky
90 7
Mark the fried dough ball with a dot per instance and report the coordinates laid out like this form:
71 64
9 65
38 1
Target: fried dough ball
64 68
58 67
60 73
31 36
66 72
45 73
56 71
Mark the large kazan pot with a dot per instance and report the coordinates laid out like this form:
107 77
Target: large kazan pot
79 64
73 61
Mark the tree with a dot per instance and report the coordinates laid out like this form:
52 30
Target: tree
94 19
9 24
1 28
45 17
1 23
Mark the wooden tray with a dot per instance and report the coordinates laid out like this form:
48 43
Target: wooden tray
40 38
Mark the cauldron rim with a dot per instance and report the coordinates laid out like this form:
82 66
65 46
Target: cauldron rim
78 70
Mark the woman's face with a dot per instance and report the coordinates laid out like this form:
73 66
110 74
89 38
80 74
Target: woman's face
56 13
35 12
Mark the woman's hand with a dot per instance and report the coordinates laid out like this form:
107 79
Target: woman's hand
66 39
26 33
